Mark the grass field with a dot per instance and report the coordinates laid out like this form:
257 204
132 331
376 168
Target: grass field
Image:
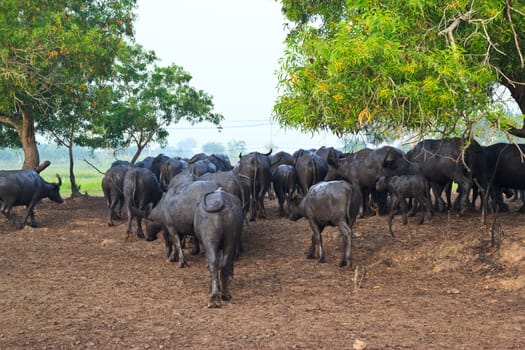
87 178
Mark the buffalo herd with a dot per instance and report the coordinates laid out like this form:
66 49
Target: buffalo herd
210 200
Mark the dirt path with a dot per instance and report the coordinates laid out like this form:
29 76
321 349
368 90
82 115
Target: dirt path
76 283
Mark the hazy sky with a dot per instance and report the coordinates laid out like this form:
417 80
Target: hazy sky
232 49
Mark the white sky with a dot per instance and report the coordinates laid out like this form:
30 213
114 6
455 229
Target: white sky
231 48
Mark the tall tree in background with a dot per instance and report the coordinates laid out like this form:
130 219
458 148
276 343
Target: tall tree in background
390 67
146 99
45 47
73 118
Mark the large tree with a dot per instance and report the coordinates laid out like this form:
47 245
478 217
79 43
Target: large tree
46 47
146 99
394 67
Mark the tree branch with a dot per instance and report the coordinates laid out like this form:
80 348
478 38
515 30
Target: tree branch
10 121
515 35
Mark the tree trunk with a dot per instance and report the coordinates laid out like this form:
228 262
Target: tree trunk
27 136
136 156
75 192
518 93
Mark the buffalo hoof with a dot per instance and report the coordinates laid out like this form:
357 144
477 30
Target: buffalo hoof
195 249
214 302
183 264
151 238
345 263
321 260
226 297
310 255
140 235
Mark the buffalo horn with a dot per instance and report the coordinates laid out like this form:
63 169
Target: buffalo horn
59 183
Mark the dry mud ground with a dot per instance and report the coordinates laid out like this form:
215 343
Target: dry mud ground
75 283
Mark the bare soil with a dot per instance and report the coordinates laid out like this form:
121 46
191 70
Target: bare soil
77 283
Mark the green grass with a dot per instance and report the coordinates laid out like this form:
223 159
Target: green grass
87 178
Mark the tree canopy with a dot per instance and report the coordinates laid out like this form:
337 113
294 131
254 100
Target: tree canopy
145 99
48 49
390 67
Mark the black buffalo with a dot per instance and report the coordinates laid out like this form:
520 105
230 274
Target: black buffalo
284 179
277 159
141 193
446 160
218 223
256 167
113 189
231 182
25 187
505 169
365 167
406 187
173 215
168 169
332 203
311 169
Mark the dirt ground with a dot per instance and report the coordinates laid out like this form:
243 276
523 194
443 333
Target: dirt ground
76 283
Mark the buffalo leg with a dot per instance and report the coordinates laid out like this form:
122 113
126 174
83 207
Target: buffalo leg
404 210
168 242
226 268
253 208
140 233
29 214
346 233
427 209
130 218
395 204
112 212
318 239
195 247
211 254
310 253
32 217
175 238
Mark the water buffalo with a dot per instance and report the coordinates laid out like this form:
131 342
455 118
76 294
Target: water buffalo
284 179
310 168
332 203
174 213
221 161
201 164
445 160
25 187
168 169
113 189
365 167
231 182
218 223
141 193
277 159
505 168
405 187
257 168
